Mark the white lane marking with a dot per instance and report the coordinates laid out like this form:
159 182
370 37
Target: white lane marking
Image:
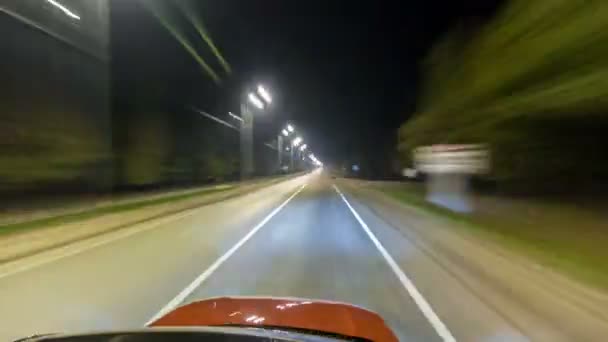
423 305
203 276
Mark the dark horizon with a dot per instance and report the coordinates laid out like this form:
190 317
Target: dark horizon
345 75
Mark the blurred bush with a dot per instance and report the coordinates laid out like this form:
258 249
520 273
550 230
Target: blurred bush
532 83
146 155
37 152
54 111
71 121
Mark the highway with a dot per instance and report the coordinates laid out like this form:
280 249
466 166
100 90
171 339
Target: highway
305 237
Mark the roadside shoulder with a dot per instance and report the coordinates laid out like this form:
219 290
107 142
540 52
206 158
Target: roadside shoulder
561 302
54 233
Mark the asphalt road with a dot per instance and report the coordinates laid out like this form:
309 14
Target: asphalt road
298 238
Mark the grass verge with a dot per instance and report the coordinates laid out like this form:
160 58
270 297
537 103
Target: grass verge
110 209
574 245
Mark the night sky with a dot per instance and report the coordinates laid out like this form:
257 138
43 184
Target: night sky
346 73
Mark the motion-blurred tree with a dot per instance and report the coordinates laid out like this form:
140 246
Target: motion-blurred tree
147 151
149 140
532 76
37 152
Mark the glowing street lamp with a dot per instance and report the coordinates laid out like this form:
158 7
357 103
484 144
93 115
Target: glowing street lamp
256 101
260 98
264 94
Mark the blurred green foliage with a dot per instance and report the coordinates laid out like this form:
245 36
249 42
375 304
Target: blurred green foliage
54 121
532 83
147 151
71 121
217 167
37 152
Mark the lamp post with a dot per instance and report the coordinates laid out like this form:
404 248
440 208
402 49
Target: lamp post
246 142
294 146
284 133
246 131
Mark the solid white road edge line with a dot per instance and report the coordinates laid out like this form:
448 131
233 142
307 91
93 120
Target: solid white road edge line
423 305
203 276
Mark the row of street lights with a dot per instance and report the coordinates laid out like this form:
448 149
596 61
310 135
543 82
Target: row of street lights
297 144
261 99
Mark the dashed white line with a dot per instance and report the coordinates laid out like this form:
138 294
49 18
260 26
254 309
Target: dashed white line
203 276
409 286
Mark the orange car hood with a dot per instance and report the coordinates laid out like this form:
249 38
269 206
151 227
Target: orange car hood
325 316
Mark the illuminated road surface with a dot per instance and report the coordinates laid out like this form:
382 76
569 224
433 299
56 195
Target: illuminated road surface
298 238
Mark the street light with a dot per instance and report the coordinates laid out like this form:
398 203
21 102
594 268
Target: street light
315 161
247 167
256 101
264 94
285 133
297 147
